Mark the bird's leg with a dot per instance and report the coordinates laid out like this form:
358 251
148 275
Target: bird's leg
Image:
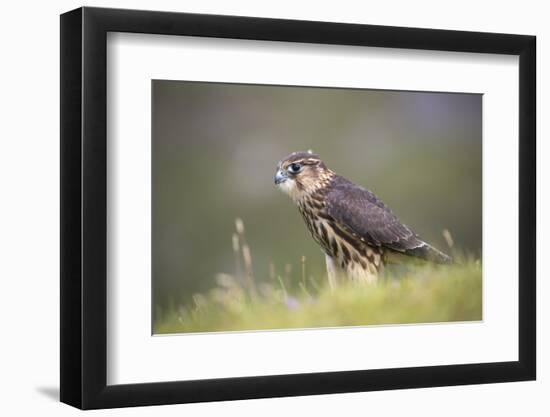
332 272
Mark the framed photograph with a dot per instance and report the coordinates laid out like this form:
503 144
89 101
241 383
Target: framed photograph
257 208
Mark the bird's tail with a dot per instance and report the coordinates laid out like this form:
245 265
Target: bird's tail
429 253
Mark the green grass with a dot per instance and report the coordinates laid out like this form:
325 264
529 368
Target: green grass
239 302
426 295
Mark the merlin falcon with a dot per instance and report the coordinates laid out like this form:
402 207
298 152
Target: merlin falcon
358 233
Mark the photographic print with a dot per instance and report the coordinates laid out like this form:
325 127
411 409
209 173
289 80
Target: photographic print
292 207
321 191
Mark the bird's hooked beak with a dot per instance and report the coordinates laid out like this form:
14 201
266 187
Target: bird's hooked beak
280 177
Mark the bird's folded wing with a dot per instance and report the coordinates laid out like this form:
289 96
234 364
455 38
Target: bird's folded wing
359 212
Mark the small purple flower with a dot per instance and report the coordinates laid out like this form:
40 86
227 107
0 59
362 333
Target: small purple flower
292 303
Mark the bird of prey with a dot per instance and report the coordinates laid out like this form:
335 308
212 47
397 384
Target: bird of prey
357 231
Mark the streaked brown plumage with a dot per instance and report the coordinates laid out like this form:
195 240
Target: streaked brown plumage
357 231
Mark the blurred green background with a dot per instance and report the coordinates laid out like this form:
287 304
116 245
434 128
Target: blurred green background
215 148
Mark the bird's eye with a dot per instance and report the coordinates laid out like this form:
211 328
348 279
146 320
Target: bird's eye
294 168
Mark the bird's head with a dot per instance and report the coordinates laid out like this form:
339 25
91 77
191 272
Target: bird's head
301 173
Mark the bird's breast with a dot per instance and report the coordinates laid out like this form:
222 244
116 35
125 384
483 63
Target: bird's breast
347 250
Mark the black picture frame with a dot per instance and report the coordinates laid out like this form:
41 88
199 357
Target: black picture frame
84 207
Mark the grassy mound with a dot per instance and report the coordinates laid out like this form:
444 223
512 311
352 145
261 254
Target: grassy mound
422 295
